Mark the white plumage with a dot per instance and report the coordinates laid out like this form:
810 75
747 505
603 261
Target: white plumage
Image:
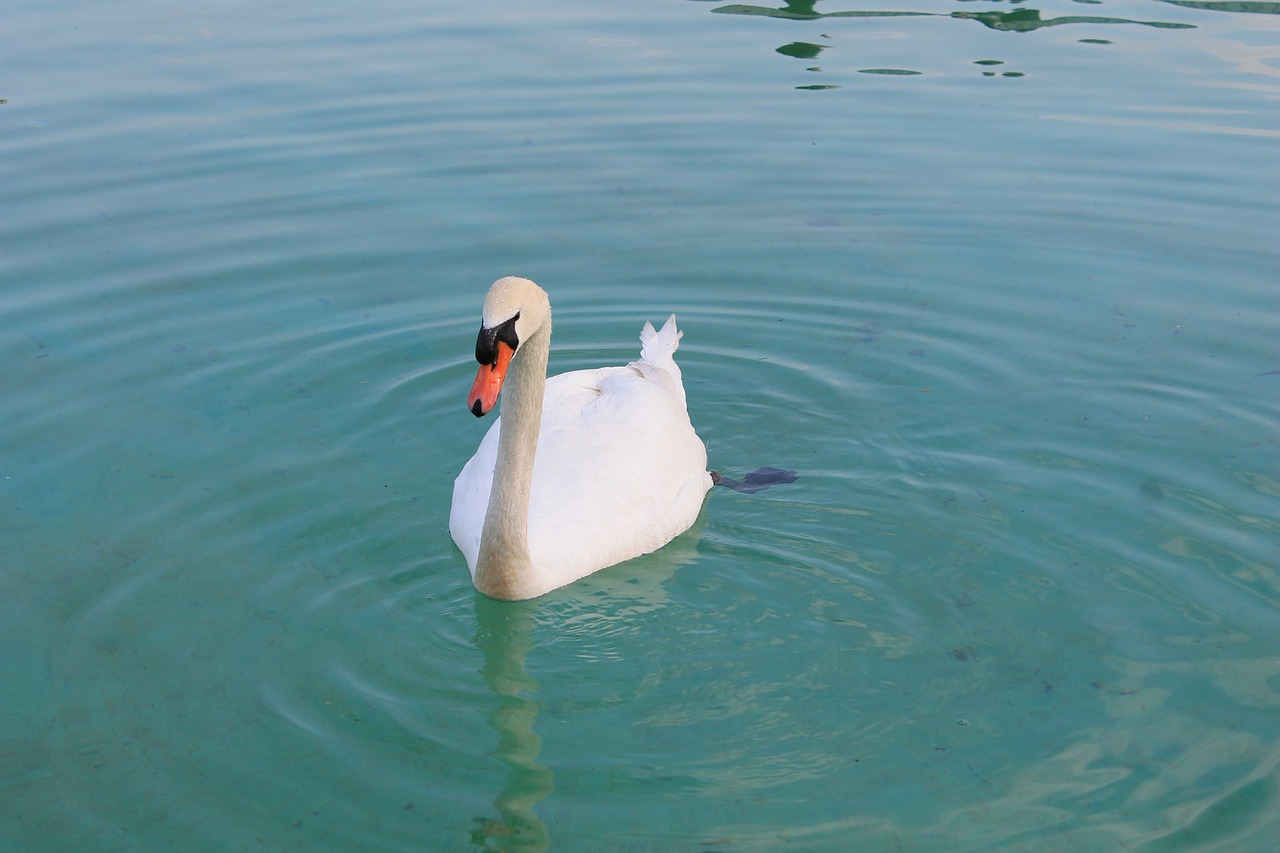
610 468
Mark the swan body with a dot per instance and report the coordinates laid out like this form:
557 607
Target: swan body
583 470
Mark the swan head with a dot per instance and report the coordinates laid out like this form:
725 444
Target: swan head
514 310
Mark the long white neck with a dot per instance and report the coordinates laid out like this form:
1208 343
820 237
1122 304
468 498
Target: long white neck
503 566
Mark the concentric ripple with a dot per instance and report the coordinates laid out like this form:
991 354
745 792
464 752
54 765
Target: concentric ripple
1015 335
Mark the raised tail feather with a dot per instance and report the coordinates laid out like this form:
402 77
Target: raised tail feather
658 348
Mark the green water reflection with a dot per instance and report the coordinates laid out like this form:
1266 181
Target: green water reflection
804 10
1029 20
1018 20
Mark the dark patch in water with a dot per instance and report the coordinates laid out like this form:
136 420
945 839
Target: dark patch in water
758 480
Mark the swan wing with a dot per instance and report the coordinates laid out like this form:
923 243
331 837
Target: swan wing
619 470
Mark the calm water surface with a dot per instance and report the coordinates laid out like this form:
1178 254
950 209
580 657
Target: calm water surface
998 279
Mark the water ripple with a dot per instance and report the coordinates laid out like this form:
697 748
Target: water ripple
1023 588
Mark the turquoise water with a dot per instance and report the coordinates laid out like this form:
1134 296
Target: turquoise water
999 280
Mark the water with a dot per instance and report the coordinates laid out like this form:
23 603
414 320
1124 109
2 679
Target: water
997 279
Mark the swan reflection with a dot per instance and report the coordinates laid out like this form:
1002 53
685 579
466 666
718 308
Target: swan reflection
597 609
504 633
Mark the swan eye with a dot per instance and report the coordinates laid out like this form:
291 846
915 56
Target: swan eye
487 342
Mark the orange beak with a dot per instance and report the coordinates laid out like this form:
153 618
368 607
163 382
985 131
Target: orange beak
484 393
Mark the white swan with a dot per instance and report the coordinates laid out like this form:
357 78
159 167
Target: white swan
584 469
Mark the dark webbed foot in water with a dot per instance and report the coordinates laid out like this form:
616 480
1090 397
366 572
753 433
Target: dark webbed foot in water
757 480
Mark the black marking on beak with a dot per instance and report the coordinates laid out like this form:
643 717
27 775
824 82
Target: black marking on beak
487 341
